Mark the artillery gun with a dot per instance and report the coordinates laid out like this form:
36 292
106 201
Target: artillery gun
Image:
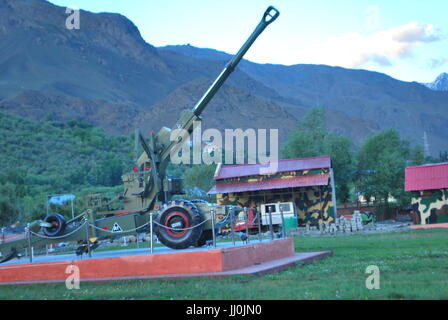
146 202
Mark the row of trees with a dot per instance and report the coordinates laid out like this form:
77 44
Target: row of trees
375 169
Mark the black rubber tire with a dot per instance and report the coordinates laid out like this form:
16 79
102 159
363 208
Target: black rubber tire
184 214
205 236
59 225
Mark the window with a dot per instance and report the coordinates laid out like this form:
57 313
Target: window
270 207
285 207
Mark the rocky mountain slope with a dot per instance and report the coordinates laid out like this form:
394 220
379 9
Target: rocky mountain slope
374 98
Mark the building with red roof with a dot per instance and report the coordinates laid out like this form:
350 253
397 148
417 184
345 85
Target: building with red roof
307 182
429 187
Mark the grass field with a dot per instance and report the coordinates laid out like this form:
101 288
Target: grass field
412 264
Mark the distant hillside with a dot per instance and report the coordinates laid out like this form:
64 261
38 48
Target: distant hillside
106 59
104 73
39 105
230 109
39 53
62 156
107 75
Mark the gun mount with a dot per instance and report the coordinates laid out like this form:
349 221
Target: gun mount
147 192
157 150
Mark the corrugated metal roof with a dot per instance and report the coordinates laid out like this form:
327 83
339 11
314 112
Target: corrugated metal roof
244 170
428 177
277 183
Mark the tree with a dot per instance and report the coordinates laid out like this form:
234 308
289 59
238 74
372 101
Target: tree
200 176
343 163
418 156
312 138
9 212
308 138
443 157
109 172
381 163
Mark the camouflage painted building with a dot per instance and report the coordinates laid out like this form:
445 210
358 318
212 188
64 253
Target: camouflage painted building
429 187
307 182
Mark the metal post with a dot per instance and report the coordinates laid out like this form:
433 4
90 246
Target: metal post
151 233
333 194
283 222
3 235
246 218
271 230
88 238
259 225
73 211
136 144
232 224
30 252
212 212
136 240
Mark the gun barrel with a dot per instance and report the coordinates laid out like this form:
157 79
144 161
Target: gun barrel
270 15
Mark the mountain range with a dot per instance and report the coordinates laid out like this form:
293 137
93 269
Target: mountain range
106 74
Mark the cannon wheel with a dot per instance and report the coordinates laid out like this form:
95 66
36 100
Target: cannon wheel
206 234
180 214
58 225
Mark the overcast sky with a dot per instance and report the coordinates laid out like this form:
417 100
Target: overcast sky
407 40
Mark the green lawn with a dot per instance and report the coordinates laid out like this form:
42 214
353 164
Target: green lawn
413 265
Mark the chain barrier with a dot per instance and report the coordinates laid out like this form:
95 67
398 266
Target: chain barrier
250 222
181 229
125 231
111 232
144 225
87 223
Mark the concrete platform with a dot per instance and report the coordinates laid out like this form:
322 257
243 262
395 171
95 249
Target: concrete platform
430 226
96 254
250 259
